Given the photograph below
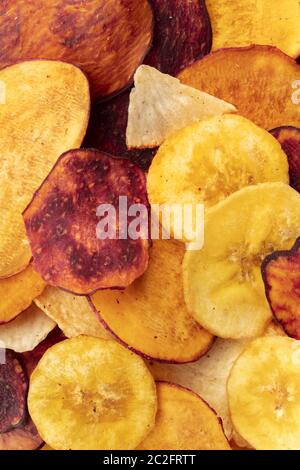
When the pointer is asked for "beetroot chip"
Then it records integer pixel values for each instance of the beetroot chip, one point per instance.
(281, 274)
(289, 138)
(80, 240)
(25, 437)
(182, 34)
(13, 392)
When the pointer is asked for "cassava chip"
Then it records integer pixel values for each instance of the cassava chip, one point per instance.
(150, 316)
(24, 437)
(241, 23)
(13, 391)
(281, 273)
(62, 223)
(28, 330)
(207, 377)
(160, 105)
(184, 421)
(263, 392)
(258, 80)
(92, 394)
(289, 138)
(30, 359)
(72, 313)
(223, 285)
(45, 112)
(182, 33)
(107, 39)
(18, 292)
(208, 161)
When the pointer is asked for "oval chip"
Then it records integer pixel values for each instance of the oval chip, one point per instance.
(79, 222)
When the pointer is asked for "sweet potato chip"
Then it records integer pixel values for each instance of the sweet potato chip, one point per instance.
(150, 316)
(62, 223)
(160, 105)
(92, 394)
(281, 274)
(72, 313)
(184, 421)
(13, 392)
(289, 138)
(18, 292)
(45, 112)
(258, 80)
(182, 33)
(107, 39)
(241, 23)
(28, 330)
(24, 437)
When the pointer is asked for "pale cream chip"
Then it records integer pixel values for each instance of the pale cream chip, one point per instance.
(160, 105)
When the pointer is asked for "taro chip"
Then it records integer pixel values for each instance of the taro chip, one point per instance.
(289, 138)
(70, 249)
(28, 330)
(281, 274)
(24, 437)
(182, 33)
(160, 105)
(13, 393)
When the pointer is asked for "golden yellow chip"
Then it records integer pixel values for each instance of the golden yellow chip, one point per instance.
(92, 394)
(44, 112)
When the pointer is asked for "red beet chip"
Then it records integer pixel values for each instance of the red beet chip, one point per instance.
(13, 391)
(64, 215)
(25, 437)
(289, 138)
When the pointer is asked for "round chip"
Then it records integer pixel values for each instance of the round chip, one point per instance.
(62, 223)
(13, 390)
(92, 394)
(264, 394)
(184, 421)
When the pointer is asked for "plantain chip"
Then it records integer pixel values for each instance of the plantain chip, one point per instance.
(289, 139)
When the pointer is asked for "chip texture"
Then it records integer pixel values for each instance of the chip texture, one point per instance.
(241, 23)
(72, 313)
(28, 330)
(258, 80)
(45, 113)
(92, 394)
(264, 383)
(208, 161)
(223, 284)
(184, 421)
(18, 292)
(13, 391)
(289, 139)
(150, 316)
(160, 105)
(24, 437)
(281, 274)
(107, 39)
(62, 223)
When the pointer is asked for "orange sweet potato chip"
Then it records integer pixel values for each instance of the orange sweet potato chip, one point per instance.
(107, 39)
(62, 221)
(289, 138)
(258, 80)
(281, 274)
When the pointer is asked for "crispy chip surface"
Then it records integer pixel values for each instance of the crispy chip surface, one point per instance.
(150, 316)
(184, 421)
(289, 139)
(45, 112)
(92, 394)
(107, 39)
(18, 292)
(62, 223)
(27, 331)
(258, 80)
(244, 22)
(24, 437)
(160, 105)
(72, 313)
